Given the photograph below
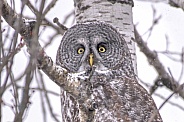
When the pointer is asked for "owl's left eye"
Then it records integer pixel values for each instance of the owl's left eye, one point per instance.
(80, 50)
(101, 49)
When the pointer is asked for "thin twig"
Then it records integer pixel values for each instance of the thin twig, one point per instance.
(42, 98)
(51, 4)
(72, 13)
(178, 89)
(47, 100)
(45, 21)
(155, 62)
(170, 102)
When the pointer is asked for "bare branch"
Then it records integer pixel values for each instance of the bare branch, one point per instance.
(47, 100)
(51, 4)
(27, 29)
(45, 21)
(56, 20)
(153, 60)
(72, 13)
(25, 97)
(170, 102)
(12, 18)
(44, 62)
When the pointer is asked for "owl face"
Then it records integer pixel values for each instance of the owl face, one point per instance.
(93, 44)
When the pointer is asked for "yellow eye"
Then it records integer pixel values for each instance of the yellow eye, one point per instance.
(80, 50)
(101, 49)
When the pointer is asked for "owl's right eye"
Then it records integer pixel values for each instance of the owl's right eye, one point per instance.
(80, 50)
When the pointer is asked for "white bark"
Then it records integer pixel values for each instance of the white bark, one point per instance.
(116, 13)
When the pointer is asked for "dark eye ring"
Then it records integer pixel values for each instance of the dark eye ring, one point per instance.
(80, 50)
(101, 49)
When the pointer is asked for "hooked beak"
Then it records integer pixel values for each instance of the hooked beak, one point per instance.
(91, 60)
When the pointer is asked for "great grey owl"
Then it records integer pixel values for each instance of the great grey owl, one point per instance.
(98, 62)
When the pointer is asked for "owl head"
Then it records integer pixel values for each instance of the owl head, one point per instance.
(92, 44)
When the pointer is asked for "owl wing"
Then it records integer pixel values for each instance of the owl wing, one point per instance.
(123, 99)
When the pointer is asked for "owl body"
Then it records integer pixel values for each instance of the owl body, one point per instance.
(99, 65)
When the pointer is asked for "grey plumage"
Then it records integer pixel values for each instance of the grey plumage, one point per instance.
(95, 54)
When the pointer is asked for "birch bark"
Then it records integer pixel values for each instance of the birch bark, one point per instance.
(118, 13)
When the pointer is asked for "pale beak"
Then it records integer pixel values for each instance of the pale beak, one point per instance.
(91, 60)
